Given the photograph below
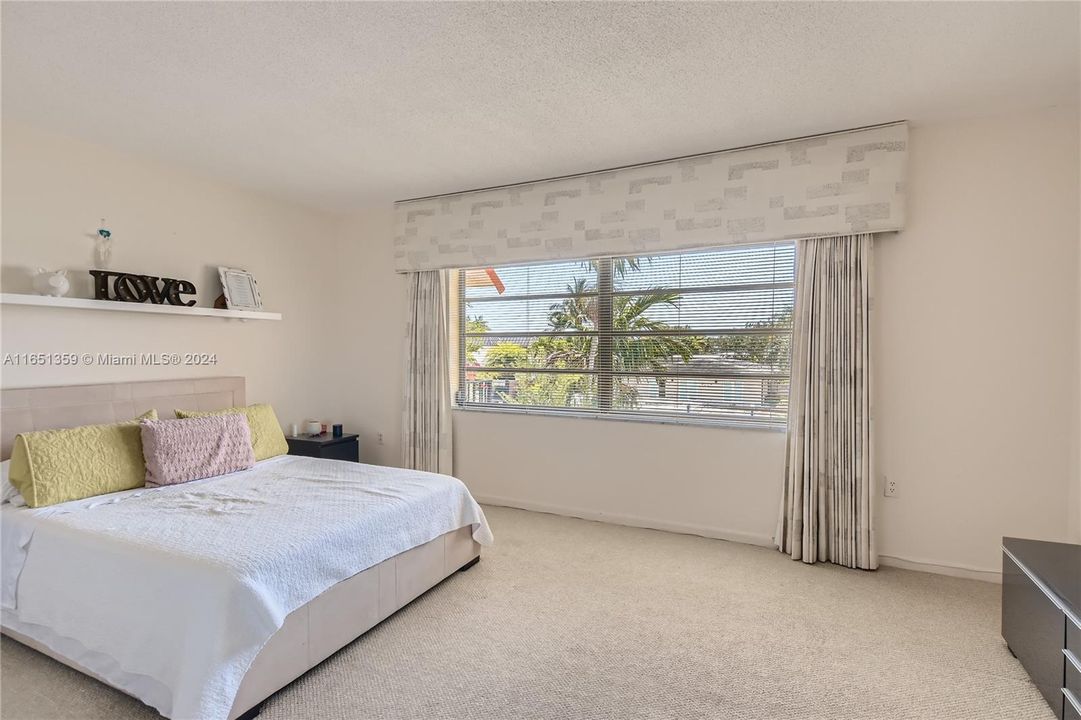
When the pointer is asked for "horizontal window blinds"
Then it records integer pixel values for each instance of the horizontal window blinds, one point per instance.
(851, 182)
(700, 335)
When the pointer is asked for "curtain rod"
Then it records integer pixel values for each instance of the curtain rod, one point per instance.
(649, 163)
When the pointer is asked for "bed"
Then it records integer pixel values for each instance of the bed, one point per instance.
(258, 575)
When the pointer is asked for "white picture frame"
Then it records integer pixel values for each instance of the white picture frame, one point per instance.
(240, 289)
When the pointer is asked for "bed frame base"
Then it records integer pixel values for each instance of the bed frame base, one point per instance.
(341, 614)
(254, 711)
(314, 632)
(469, 564)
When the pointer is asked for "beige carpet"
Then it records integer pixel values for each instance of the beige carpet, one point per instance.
(572, 619)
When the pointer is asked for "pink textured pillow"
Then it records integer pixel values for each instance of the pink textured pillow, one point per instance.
(179, 451)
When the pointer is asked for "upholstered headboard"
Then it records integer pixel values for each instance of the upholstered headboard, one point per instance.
(25, 409)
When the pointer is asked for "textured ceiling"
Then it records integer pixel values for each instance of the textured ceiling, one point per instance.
(343, 104)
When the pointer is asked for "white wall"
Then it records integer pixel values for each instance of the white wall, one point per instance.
(977, 341)
(166, 223)
(976, 332)
(373, 350)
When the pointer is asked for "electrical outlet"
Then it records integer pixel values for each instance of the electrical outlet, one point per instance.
(889, 487)
(379, 438)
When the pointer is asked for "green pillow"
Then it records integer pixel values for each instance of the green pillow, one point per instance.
(267, 438)
(55, 466)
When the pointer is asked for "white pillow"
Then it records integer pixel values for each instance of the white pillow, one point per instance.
(8, 493)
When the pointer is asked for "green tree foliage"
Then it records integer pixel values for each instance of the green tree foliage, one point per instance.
(767, 349)
(472, 344)
(652, 353)
(560, 390)
(507, 355)
(630, 353)
(504, 355)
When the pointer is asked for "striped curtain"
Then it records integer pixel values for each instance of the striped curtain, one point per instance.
(426, 423)
(827, 510)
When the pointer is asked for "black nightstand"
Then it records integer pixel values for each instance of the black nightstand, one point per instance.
(346, 447)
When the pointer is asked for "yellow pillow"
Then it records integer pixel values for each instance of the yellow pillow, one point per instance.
(267, 438)
(54, 466)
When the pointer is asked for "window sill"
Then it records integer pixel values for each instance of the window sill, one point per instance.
(615, 417)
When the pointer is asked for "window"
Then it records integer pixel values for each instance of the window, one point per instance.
(700, 335)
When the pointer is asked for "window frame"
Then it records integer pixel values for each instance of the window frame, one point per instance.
(604, 410)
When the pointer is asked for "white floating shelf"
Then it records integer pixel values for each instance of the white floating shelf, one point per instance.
(117, 306)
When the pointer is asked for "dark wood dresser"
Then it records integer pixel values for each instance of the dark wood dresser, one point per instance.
(1041, 617)
(344, 447)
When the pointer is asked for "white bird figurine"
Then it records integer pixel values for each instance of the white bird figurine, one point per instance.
(51, 282)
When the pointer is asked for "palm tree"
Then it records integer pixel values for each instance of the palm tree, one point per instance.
(640, 349)
(646, 351)
(631, 352)
(577, 313)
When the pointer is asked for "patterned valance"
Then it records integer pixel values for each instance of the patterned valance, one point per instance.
(839, 184)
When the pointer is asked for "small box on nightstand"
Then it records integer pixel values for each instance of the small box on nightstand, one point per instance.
(346, 447)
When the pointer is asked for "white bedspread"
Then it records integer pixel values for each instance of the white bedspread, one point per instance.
(185, 584)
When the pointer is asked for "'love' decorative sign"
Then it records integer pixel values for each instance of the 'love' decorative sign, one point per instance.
(129, 287)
